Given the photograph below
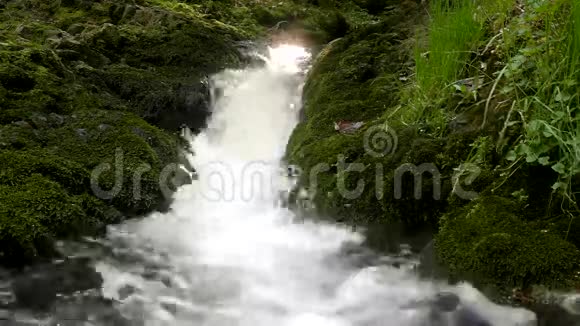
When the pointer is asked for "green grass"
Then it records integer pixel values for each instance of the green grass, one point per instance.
(547, 97)
(574, 41)
(445, 53)
(441, 54)
(453, 32)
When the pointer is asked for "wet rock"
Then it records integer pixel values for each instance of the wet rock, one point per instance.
(572, 304)
(181, 178)
(446, 301)
(468, 317)
(126, 291)
(357, 255)
(88, 310)
(182, 160)
(446, 309)
(70, 312)
(429, 265)
(552, 314)
(6, 298)
(5, 315)
(37, 287)
(21, 318)
(170, 307)
(35, 291)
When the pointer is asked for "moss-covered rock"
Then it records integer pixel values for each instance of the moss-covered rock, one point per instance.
(499, 220)
(92, 94)
(490, 241)
(356, 78)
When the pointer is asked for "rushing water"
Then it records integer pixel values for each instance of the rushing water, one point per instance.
(227, 254)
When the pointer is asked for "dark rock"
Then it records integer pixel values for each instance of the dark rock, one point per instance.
(169, 307)
(98, 310)
(468, 317)
(446, 309)
(429, 265)
(446, 301)
(357, 255)
(5, 315)
(166, 280)
(182, 159)
(181, 178)
(552, 314)
(35, 291)
(70, 312)
(126, 291)
(37, 287)
(6, 298)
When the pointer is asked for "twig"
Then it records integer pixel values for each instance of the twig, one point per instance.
(505, 126)
(491, 95)
(491, 41)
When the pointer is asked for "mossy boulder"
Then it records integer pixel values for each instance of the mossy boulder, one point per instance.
(356, 78)
(36, 211)
(490, 241)
(92, 95)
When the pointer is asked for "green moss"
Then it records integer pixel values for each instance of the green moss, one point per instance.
(489, 240)
(123, 143)
(18, 137)
(20, 165)
(356, 79)
(35, 211)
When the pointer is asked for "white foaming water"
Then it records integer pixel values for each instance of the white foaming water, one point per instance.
(226, 255)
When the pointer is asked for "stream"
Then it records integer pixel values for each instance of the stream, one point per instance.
(228, 253)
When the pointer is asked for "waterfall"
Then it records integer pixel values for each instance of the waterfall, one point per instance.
(226, 254)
